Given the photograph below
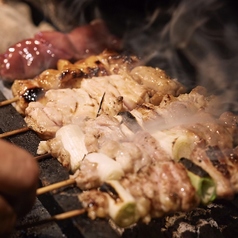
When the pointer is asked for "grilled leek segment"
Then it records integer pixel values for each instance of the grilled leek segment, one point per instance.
(177, 142)
(184, 145)
(72, 138)
(204, 185)
(122, 205)
(107, 168)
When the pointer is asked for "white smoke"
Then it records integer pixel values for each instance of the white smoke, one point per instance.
(197, 44)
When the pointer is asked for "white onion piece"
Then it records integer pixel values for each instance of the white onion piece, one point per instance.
(165, 140)
(43, 148)
(107, 168)
(177, 143)
(184, 145)
(124, 159)
(72, 138)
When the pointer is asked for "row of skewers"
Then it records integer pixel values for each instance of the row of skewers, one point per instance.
(150, 147)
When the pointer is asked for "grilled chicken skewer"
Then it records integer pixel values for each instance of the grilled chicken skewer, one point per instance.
(120, 195)
(70, 75)
(119, 93)
(125, 199)
(145, 198)
(46, 117)
(145, 194)
(117, 139)
(147, 84)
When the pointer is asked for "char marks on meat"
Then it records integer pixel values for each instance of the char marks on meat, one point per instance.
(70, 75)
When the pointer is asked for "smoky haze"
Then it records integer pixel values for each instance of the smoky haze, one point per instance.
(196, 43)
(193, 41)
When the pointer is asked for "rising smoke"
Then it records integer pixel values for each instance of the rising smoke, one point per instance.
(197, 45)
(193, 41)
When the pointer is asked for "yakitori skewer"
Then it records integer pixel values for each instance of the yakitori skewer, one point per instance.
(9, 101)
(62, 216)
(107, 168)
(14, 132)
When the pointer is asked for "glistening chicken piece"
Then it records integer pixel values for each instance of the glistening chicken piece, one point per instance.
(70, 75)
(28, 58)
(65, 106)
(110, 94)
(96, 95)
(173, 111)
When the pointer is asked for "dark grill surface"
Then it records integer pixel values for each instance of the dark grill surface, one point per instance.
(219, 219)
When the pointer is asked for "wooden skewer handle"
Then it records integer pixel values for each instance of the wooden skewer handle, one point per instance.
(14, 132)
(55, 186)
(44, 156)
(9, 101)
(62, 216)
(69, 214)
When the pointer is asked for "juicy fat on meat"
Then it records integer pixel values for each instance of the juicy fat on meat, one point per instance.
(158, 82)
(125, 87)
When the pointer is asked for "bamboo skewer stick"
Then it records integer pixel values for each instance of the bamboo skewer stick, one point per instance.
(39, 157)
(54, 186)
(14, 132)
(62, 216)
(9, 101)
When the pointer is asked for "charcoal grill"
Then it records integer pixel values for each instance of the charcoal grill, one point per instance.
(219, 219)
